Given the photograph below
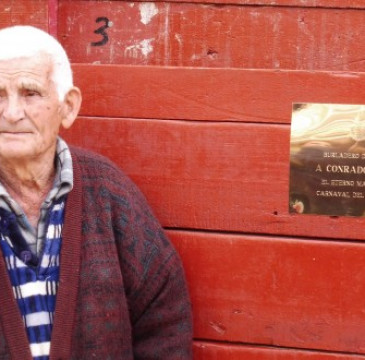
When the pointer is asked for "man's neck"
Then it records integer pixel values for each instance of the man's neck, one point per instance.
(28, 183)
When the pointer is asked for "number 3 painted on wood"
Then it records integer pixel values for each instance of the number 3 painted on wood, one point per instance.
(101, 31)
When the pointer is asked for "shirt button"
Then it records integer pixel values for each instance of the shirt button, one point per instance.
(26, 256)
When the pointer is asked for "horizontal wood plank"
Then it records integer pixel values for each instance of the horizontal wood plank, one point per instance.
(331, 4)
(24, 12)
(272, 291)
(340, 4)
(209, 94)
(215, 351)
(213, 176)
(200, 35)
(348, 4)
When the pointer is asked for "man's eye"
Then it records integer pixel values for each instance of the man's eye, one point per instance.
(31, 93)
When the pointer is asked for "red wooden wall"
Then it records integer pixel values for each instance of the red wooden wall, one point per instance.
(193, 100)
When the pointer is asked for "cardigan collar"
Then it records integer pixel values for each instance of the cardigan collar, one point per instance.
(65, 313)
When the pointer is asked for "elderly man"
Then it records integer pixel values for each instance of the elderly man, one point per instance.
(85, 269)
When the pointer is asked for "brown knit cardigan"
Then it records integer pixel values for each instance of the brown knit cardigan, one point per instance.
(122, 292)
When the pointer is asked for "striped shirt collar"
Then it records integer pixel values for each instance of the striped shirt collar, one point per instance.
(62, 185)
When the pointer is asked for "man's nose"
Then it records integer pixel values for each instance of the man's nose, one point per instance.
(13, 109)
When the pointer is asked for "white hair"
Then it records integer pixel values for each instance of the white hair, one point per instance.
(28, 41)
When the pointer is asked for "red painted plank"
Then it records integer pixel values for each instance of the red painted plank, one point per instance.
(214, 351)
(209, 94)
(200, 35)
(53, 17)
(216, 176)
(284, 292)
(24, 12)
(348, 4)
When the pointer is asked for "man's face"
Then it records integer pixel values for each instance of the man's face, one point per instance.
(30, 110)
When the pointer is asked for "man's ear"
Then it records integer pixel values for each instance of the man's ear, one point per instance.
(70, 107)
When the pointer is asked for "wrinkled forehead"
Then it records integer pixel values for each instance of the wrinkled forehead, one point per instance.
(38, 68)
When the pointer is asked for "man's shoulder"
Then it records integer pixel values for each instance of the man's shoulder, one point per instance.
(97, 170)
(90, 161)
(88, 156)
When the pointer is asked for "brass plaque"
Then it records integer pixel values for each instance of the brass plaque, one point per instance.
(327, 159)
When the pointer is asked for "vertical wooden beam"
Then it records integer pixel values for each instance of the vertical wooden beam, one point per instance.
(52, 17)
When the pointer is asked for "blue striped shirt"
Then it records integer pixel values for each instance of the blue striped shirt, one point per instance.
(34, 281)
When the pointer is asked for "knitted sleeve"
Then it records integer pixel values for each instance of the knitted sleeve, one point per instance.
(154, 281)
(155, 285)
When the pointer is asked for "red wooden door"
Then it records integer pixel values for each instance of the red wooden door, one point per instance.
(193, 100)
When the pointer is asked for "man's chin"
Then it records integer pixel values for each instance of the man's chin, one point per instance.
(15, 152)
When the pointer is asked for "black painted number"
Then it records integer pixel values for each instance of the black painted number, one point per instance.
(102, 32)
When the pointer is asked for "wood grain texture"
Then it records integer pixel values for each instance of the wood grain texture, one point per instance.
(213, 176)
(334, 4)
(262, 96)
(53, 18)
(24, 12)
(201, 35)
(219, 351)
(276, 291)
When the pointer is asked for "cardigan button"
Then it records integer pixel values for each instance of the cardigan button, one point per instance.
(26, 255)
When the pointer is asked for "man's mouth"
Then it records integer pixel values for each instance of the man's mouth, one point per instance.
(15, 133)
